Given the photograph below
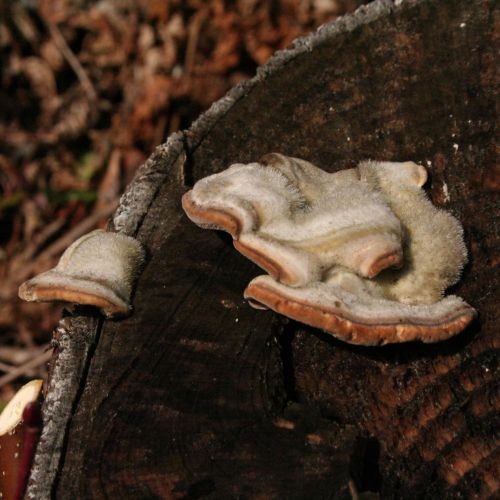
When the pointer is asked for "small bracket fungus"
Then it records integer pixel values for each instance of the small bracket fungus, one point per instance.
(98, 269)
(11, 415)
(361, 253)
(20, 427)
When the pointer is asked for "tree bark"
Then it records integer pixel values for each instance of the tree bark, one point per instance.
(196, 394)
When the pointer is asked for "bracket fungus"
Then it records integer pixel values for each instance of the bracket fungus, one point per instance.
(361, 253)
(98, 269)
(11, 415)
(20, 427)
(296, 221)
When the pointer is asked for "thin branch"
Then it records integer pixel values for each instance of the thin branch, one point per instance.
(4, 367)
(72, 60)
(14, 356)
(80, 229)
(35, 362)
(39, 239)
(193, 38)
(69, 237)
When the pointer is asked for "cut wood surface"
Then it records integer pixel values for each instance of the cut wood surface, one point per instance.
(197, 395)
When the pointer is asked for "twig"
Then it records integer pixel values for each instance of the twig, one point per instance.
(193, 38)
(14, 356)
(175, 123)
(353, 490)
(25, 335)
(62, 243)
(6, 368)
(20, 261)
(35, 362)
(73, 61)
(40, 238)
(83, 227)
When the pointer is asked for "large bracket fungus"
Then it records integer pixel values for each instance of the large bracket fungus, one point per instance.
(98, 269)
(361, 253)
(296, 221)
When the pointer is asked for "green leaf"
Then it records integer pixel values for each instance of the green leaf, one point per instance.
(63, 197)
(12, 201)
(86, 166)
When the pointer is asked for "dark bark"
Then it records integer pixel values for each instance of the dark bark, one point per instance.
(198, 395)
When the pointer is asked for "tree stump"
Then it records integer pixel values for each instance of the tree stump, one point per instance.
(196, 394)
